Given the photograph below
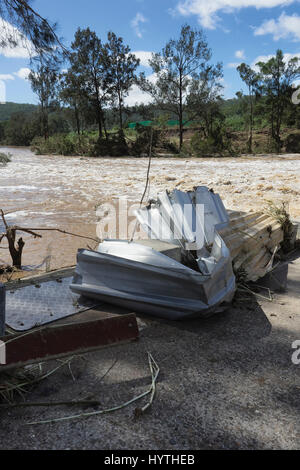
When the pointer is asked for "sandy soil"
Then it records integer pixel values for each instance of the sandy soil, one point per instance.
(64, 192)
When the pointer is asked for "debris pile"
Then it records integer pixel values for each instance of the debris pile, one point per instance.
(253, 240)
(138, 277)
(195, 275)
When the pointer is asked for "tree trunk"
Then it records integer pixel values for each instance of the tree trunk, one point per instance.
(180, 113)
(272, 127)
(180, 117)
(104, 126)
(45, 129)
(99, 119)
(120, 111)
(180, 133)
(121, 117)
(15, 251)
(77, 120)
(278, 115)
(250, 140)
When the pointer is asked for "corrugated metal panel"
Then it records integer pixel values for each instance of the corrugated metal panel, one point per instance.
(142, 279)
(192, 216)
(252, 240)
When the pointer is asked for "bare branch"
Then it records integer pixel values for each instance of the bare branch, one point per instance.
(25, 230)
(3, 218)
(31, 230)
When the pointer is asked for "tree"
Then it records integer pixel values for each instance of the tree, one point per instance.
(70, 93)
(44, 79)
(21, 129)
(181, 62)
(121, 70)
(89, 62)
(3, 126)
(21, 23)
(276, 78)
(204, 98)
(250, 77)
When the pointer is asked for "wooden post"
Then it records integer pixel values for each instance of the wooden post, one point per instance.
(2, 310)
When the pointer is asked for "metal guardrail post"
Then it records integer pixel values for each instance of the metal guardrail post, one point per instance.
(2, 310)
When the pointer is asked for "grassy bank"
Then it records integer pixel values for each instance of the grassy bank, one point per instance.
(137, 143)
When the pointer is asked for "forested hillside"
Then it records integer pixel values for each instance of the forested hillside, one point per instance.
(8, 109)
(82, 102)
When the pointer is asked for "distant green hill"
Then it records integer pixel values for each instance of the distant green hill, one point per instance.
(7, 109)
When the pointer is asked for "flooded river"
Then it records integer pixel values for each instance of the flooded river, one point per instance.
(63, 192)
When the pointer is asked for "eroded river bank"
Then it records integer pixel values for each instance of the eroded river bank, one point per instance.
(63, 192)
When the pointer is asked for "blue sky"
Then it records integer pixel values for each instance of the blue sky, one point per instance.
(236, 30)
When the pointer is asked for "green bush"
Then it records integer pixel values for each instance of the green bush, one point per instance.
(236, 123)
(4, 159)
(186, 150)
(113, 146)
(217, 144)
(56, 145)
(170, 147)
(145, 135)
(20, 129)
(292, 143)
(64, 144)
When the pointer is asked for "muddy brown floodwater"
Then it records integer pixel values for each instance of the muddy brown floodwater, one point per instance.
(62, 192)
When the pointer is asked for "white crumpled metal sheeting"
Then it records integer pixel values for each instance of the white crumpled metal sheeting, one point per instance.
(182, 212)
(139, 278)
(169, 290)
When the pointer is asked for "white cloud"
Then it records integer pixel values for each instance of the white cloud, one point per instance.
(286, 26)
(240, 54)
(226, 88)
(265, 58)
(23, 73)
(233, 65)
(6, 76)
(144, 57)
(24, 48)
(261, 58)
(206, 10)
(136, 24)
(137, 96)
